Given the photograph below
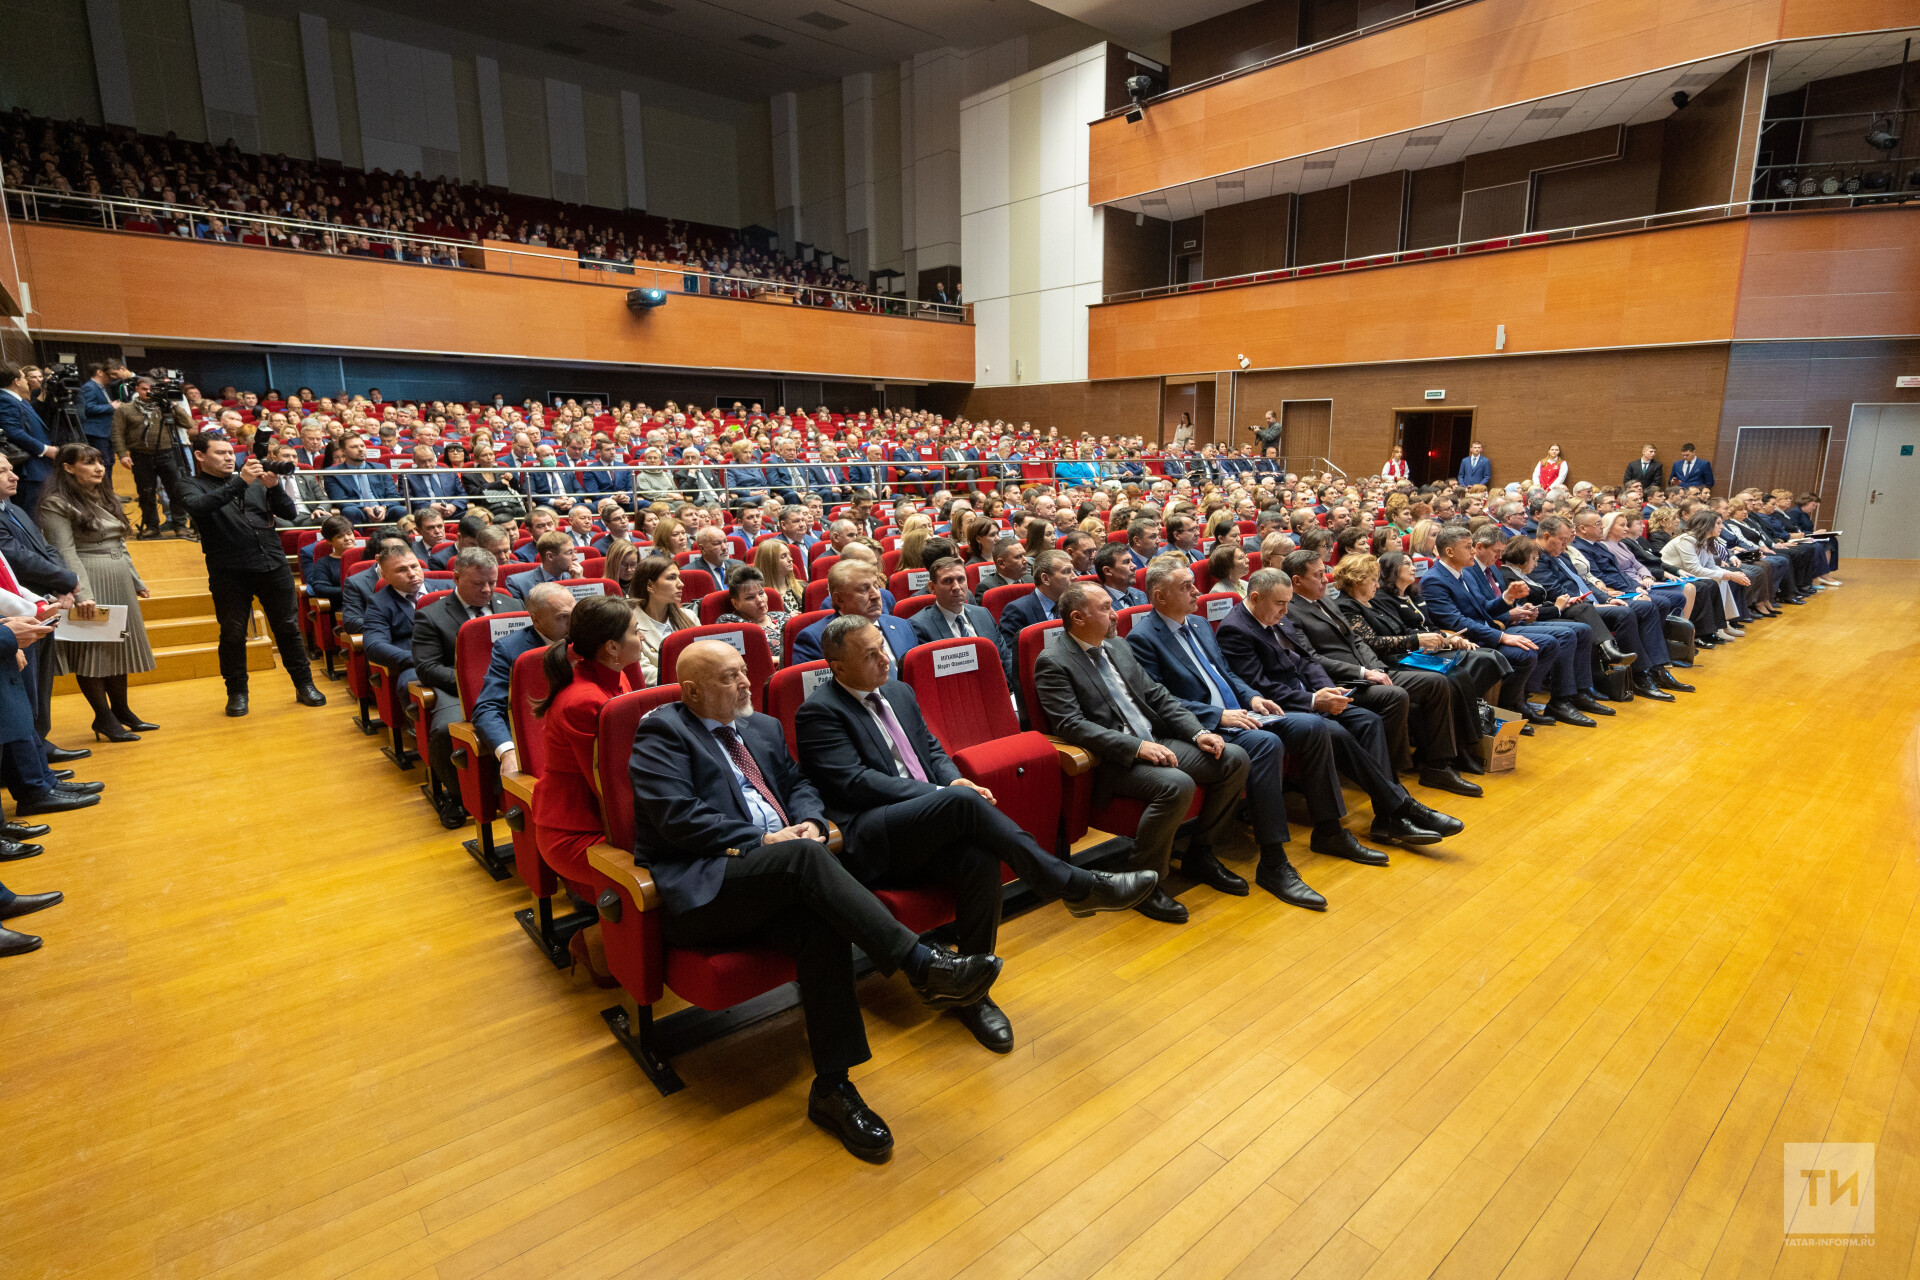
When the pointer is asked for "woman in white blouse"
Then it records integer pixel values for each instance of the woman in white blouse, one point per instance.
(1396, 468)
(656, 585)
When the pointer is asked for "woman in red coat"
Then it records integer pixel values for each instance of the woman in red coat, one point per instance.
(583, 673)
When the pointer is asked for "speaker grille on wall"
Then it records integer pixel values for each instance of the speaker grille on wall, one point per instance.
(1494, 211)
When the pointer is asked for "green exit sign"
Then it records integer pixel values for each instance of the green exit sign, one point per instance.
(1906, 451)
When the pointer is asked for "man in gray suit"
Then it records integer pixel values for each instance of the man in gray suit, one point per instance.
(1149, 746)
(713, 556)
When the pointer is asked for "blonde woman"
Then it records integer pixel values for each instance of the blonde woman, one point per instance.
(785, 589)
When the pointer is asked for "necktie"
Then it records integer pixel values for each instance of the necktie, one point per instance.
(908, 756)
(1222, 692)
(749, 768)
(1136, 720)
(1493, 579)
(961, 627)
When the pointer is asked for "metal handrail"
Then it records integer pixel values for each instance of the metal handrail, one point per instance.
(109, 212)
(1522, 240)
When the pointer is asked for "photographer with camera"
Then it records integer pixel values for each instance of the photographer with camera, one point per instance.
(96, 414)
(23, 437)
(235, 513)
(143, 439)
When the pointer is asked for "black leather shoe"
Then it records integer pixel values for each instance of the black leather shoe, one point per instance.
(81, 788)
(453, 815)
(1663, 679)
(1158, 906)
(1643, 685)
(14, 944)
(1536, 716)
(236, 704)
(1526, 731)
(60, 775)
(12, 852)
(1276, 875)
(843, 1113)
(25, 904)
(55, 802)
(1115, 891)
(310, 696)
(1615, 655)
(23, 830)
(60, 755)
(1434, 820)
(1592, 705)
(1563, 710)
(1402, 829)
(1468, 762)
(1201, 867)
(1705, 642)
(1442, 778)
(953, 980)
(988, 1024)
(1347, 845)
(134, 723)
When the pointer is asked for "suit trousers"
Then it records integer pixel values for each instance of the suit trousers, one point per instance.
(1391, 705)
(1168, 791)
(796, 897)
(1563, 665)
(952, 837)
(1266, 754)
(23, 770)
(1636, 624)
(1473, 675)
(439, 744)
(234, 591)
(1359, 742)
(38, 674)
(150, 472)
(1429, 716)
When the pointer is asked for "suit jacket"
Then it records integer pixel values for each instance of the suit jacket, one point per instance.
(1125, 599)
(1605, 567)
(847, 756)
(429, 487)
(379, 480)
(435, 630)
(35, 563)
(20, 424)
(1642, 472)
(725, 571)
(1081, 709)
(899, 633)
(1476, 470)
(687, 810)
(1460, 604)
(1166, 659)
(931, 625)
(1021, 614)
(386, 629)
(490, 708)
(990, 578)
(1699, 472)
(1281, 669)
(16, 703)
(1331, 640)
(521, 583)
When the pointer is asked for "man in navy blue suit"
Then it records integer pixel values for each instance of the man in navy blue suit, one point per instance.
(854, 586)
(96, 416)
(1638, 621)
(953, 615)
(23, 429)
(1052, 575)
(604, 478)
(386, 627)
(1691, 470)
(827, 477)
(1113, 565)
(1476, 467)
(550, 608)
(558, 560)
(734, 836)
(363, 499)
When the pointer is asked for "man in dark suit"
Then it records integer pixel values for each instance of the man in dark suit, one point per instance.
(953, 615)
(1542, 659)
(1148, 746)
(734, 836)
(1113, 565)
(714, 554)
(1644, 470)
(1475, 468)
(1416, 705)
(854, 586)
(363, 499)
(22, 428)
(550, 607)
(558, 560)
(436, 630)
(23, 763)
(386, 628)
(1691, 471)
(1563, 568)
(1010, 566)
(1052, 574)
(910, 818)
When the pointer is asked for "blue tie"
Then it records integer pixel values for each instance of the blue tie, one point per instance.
(1200, 655)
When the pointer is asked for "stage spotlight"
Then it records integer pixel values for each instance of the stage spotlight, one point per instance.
(1137, 89)
(1881, 136)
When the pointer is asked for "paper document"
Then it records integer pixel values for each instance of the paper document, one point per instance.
(109, 625)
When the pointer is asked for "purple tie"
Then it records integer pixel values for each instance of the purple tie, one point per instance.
(908, 756)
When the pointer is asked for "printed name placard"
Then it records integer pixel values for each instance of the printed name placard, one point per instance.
(811, 680)
(501, 627)
(1218, 609)
(734, 638)
(581, 590)
(951, 662)
(917, 580)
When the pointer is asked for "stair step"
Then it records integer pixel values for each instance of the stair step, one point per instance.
(190, 604)
(174, 632)
(186, 662)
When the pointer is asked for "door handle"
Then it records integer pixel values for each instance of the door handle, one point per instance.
(1873, 497)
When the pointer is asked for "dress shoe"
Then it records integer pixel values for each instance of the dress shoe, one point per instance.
(841, 1111)
(60, 775)
(14, 944)
(1526, 731)
(1535, 715)
(1158, 906)
(113, 731)
(146, 534)
(25, 904)
(81, 788)
(55, 801)
(1442, 778)
(1346, 845)
(1114, 891)
(236, 704)
(23, 830)
(1401, 828)
(1592, 705)
(1276, 875)
(1468, 762)
(1201, 867)
(1615, 655)
(988, 1024)
(60, 755)
(1434, 820)
(1705, 642)
(1663, 678)
(453, 814)
(953, 980)
(309, 695)
(1563, 710)
(11, 851)
(1643, 685)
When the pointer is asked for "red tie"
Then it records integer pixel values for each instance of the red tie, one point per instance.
(1493, 580)
(749, 767)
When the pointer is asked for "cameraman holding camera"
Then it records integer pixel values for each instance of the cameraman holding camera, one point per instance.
(235, 511)
(143, 439)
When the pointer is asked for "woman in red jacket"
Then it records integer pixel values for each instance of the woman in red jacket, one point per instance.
(583, 673)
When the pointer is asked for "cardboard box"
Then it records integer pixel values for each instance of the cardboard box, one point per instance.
(1500, 751)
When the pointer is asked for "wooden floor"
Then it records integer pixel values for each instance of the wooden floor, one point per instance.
(283, 1027)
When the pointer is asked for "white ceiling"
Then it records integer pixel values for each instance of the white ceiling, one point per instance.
(1637, 100)
(1143, 25)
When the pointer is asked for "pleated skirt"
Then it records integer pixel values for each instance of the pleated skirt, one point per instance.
(113, 583)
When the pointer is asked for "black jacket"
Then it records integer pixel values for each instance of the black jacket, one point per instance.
(36, 564)
(1330, 639)
(235, 520)
(847, 756)
(436, 629)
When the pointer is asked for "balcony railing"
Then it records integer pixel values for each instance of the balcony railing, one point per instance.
(263, 231)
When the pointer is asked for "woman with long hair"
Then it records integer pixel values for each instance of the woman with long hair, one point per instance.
(1550, 470)
(913, 544)
(656, 585)
(584, 672)
(669, 537)
(623, 561)
(82, 519)
(785, 590)
(982, 533)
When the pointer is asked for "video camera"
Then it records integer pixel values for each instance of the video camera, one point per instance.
(62, 385)
(168, 384)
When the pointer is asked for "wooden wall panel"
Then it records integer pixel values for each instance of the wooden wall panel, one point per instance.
(1129, 407)
(1232, 40)
(126, 285)
(1322, 236)
(1769, 458)
(1613, 189)
(1454, 63)
(1671, 286)
(1136, 256)
(1826, 17)
(1698, 149)
(1246, 237)
(1851, 274)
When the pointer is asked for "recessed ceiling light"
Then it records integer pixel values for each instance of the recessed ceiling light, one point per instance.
(823, 21)
(759, 41)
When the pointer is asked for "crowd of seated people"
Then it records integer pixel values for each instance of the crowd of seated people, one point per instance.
(1198, 631)
(221, 193)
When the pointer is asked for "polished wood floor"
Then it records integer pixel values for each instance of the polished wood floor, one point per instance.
(284, 1027)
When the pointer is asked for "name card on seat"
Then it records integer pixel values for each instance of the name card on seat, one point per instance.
(734, 638)
(497, 628)
(581, 590)
(1218, 609)
(917, 580)
(811, 680)
(951, 662)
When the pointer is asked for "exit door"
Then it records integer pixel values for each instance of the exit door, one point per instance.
(1880, 486)
(1433, 441)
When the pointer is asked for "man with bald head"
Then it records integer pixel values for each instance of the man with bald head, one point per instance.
(735, 838)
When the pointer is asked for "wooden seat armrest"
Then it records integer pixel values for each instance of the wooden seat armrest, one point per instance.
(618, 866)
(423, 697)
(1074, 761)
(356, 642)
(465, 734)
(520, 786)
(321, 604)
(834, 838)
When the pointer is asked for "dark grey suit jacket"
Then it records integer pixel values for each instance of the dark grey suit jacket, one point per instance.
(1080, 708)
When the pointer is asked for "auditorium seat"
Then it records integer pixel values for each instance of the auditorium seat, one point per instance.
(748, 638)
(476, 767)
(998, 598)
(712, 605)
(1215, 606)
(908, 582)
(1124, 619)
(525, 686)
(910, 605)
(794, 625)
(817, 570)
(694, 583)
(816, 595)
